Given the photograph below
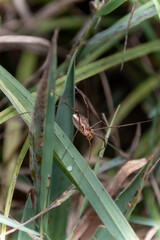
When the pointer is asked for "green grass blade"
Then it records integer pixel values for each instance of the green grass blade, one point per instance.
(36, 133)
(92, 52)
(14, 224)
(11, 88)
(63, 22)
(64, 113)
(59, 181)
(157, 5)
(109, 7)
(142, 13)
(101, 234)
(48, 140)
(132, 192)
(115, 162)
(27, 214)
(13, 180)
(144, 221)
(41, 136)
(7, 114)
(111, 61)
(113, 32)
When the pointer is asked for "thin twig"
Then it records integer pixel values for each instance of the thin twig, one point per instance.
(126, 37)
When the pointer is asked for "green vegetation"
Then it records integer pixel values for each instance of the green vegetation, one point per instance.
(57, 182)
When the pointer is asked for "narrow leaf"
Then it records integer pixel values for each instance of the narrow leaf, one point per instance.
(64, 113)
(59, 181)
(14, 224)
(48, 140)
(109, 7)
(27, 214)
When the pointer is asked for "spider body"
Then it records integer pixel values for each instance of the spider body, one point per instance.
(82, 124)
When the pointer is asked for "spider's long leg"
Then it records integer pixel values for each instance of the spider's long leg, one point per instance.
(85, 99)
(96, 123)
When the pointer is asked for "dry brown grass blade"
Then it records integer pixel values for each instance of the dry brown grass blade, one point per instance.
(151, 159)
(89, 221)
(37, 44)
(124, 172)
(151, 232)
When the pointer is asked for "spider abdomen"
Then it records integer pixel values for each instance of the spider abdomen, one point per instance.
(82, 124)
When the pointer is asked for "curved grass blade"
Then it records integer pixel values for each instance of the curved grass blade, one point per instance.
(109, 7)
(113, 32)
(7, 114)
(22, 101)
(142, 13)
